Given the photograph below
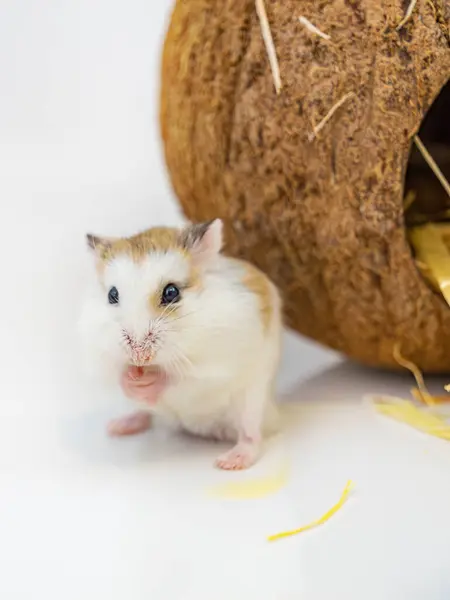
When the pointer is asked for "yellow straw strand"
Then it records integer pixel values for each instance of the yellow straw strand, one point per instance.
(269, 44)
(426, 397)
(441, 399)
(348, 488)
(430, 244)
(254, 488)
(418, 418)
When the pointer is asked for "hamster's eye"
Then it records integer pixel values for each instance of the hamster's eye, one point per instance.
(113, 296)
(170, 294)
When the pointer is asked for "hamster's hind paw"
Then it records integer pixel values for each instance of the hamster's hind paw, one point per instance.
(242, 456)
(130, 425)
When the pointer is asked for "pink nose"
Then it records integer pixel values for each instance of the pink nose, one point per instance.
(142, 355)
(139, 350)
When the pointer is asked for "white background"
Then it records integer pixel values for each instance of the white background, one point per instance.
(83, 516)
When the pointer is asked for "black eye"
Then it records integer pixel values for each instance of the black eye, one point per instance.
(170, 294)
(113, 296)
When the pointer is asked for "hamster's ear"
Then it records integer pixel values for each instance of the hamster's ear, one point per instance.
(204, 240)
(98, 245)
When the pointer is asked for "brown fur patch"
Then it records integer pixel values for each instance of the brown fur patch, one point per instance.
(157, 239)
(194, 281)
(255, 281)
(138, 247)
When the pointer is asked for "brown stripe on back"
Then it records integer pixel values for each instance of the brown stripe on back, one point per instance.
(255, 281)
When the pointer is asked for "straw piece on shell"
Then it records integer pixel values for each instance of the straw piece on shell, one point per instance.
(436, 399)
(304, 21)
(408, 14)
(433, 8)
(432, 164)
(409, 199)
(268, 42)
(328, 116)
(414, 369)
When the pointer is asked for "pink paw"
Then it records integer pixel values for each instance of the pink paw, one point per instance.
(242, 456)
(129, 425)
(142, 385)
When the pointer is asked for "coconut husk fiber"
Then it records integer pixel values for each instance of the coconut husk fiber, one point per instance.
(323, 217)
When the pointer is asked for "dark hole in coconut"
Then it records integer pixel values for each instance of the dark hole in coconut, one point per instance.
(425, 198)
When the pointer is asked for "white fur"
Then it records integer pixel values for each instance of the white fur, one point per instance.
(220, 358)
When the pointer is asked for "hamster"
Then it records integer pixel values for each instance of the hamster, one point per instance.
(192, 336)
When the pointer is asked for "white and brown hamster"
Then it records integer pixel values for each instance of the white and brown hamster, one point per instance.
(192, 335)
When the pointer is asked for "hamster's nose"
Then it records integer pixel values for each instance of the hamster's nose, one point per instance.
(140, 351)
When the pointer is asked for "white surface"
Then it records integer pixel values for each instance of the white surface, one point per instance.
(83, 516)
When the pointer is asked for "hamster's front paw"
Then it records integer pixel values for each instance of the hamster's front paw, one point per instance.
(141, 385)
(242, 456)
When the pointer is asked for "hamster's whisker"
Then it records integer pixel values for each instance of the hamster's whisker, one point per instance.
(177, 368)
(184, 357)
(174, 366)
(172, 305)
(161, 318)
(184, 316)
(180, 362)
(213, 327)
(184, 360)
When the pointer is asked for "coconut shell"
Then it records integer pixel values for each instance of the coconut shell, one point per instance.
(323, 218)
